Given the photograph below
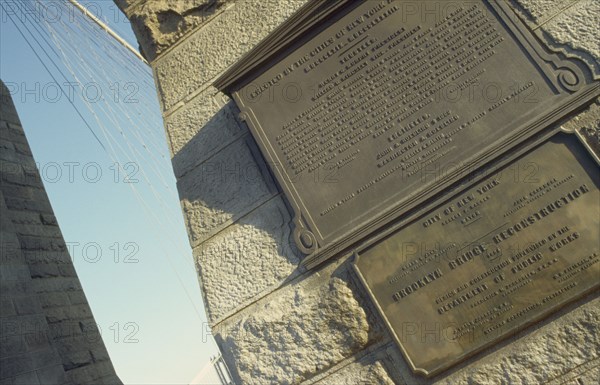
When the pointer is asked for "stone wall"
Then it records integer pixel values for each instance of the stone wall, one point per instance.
(47, 330)
(276, 323)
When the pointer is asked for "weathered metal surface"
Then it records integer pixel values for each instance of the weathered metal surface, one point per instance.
(493, 258)
(385, 103)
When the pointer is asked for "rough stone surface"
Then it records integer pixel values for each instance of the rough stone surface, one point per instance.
(547, 353)
(222, 189)
(571, 25)
(216, 46)
(577, 28)
(304, 329)
(204, 126)
(246, 259)
(537, 11)
(359, 373)
(158, 24)
(586, 374)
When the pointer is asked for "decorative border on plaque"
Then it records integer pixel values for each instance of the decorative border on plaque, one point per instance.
(568, 76)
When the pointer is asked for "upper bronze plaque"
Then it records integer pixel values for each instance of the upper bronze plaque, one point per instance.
(363, 110)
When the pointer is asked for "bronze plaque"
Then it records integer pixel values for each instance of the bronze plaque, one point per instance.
(493, 258)
(356, 113)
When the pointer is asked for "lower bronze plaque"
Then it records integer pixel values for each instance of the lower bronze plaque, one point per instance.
(498, 256)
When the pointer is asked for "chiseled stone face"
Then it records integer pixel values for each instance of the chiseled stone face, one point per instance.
(246, 259)
(303, 330)
(221, 189)
(202, 128)
(539, 10)
(161, 23)
(572, 25)
(577, 28)
(542, 356)
(359, 373)
(212, 49)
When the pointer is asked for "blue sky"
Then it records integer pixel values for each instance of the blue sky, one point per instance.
(135, 264)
